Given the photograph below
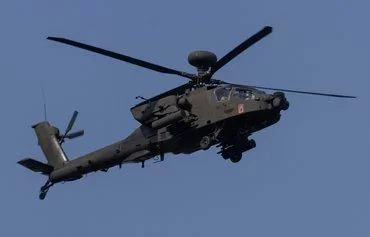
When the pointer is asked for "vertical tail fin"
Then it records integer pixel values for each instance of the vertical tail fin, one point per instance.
(48, 140)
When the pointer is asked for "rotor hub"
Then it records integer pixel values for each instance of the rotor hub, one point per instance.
(202, 60)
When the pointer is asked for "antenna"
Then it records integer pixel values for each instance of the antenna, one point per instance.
(44, 102)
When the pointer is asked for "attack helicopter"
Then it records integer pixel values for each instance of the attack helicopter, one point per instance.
(197, 115)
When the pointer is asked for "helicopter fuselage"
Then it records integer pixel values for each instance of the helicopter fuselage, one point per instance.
(223, 115)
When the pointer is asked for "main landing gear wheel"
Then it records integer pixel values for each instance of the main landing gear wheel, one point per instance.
(205, 142)
(236, 157)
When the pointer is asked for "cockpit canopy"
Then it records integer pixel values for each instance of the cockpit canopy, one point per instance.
(225, 93)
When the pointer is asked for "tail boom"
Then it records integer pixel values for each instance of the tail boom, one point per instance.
(135, 148)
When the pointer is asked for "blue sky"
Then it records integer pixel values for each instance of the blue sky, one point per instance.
(308, 175)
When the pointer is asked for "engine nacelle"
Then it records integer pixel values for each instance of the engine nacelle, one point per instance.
(183, 103)
(168, 119)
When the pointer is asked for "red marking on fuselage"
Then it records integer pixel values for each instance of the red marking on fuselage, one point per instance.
(240, 108)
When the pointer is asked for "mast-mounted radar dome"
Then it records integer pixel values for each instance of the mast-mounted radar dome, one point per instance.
(202, 60)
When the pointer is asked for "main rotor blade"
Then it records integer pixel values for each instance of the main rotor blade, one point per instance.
(305, 92)
(215, 81)
(175, 91)
(240, 48)
(124, 58)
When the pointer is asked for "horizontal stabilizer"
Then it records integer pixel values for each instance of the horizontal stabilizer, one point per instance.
(36, 166)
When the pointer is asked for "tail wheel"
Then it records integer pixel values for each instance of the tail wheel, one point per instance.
(42, 195)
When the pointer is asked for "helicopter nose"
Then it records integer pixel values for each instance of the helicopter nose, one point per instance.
(279, 101)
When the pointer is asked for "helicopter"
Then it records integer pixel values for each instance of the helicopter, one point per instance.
(197, 115)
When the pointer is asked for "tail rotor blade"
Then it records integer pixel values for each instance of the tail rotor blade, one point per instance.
(75, 134)
(69, 128)
(71, 122)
